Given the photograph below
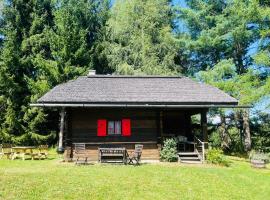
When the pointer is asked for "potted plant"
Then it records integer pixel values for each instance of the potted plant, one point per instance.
(258, 159)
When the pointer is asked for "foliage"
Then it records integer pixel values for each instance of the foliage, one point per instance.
(260, 128)
(247, 88)
(219, 30)
(169, 150)
(262, 57)
(216, 156)
(45, 43)
(218, 42)
(140, 38)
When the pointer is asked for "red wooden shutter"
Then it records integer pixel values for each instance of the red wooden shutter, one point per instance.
(101, 127)
(126, 129)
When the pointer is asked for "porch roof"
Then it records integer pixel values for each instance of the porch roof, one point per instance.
(112, 90)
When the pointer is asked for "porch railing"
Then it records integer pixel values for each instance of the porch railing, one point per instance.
(200, 147)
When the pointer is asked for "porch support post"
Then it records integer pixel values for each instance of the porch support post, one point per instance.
(204, 125)
(61, 132)
(161, 123)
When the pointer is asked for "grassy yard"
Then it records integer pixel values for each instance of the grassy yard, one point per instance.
(50, 179)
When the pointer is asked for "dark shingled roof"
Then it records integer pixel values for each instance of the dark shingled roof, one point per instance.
(111, 89)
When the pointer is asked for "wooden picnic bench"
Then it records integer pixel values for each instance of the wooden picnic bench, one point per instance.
(40, 152)
(6, 150)
(22, 151)
(112, 155)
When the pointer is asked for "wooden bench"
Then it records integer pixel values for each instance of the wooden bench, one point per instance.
(112, 155)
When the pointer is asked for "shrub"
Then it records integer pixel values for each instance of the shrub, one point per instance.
(215, 156)
(169, 150)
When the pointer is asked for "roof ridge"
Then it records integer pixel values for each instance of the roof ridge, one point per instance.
(131, 76)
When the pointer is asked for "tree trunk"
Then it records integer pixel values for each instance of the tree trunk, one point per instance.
(246, 129)
(224, 135)
(239, 125)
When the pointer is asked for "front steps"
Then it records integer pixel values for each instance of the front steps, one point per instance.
(189, 157)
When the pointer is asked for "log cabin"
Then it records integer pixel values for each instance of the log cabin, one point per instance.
(121, 110)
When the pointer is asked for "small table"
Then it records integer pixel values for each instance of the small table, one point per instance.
(112, 155)
(21, 151)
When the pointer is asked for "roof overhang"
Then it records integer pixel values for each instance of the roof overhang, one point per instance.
(91, 105)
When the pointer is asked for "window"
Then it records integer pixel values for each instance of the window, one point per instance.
(117, 127)
(114, 127)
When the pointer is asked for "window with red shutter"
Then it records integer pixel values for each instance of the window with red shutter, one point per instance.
(114, 128)
(101, 127)
(126, 127)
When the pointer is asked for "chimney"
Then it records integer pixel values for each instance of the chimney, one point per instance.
(91, 72)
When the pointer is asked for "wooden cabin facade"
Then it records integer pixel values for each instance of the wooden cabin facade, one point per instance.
(126, 127)
(121, 111)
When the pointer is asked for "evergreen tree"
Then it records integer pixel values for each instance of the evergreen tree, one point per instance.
(262, 58)
(140, 38)
(45, 43)
(22, 29)
(219, 30)
(247, 87)
(220, 35)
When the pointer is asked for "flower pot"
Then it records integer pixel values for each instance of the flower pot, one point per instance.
(258, 163)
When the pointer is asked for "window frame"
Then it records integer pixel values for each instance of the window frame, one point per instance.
(115, 121)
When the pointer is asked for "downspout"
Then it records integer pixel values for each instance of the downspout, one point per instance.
(60, 148)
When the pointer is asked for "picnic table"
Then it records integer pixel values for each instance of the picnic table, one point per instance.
(116, 155)
(21, 151)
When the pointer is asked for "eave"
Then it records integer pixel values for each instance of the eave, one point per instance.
(117, 105)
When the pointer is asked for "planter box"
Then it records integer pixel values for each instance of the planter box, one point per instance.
(258, 163)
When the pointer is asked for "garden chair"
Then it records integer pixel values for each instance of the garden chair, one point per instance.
(135, 157)
(80, 152)
(43, 151)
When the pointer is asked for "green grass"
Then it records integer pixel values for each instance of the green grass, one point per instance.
(50, 179)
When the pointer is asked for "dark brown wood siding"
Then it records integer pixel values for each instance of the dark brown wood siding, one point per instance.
(147, 127)
(84, 125)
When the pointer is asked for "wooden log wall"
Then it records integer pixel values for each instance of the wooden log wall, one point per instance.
(84, 125)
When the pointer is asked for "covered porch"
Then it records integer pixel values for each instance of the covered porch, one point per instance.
(148, 126)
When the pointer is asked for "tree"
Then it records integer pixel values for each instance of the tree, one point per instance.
(140, 39)
(219, 30)
(260, 126)
(247, 88)
(45, 43)
(262, 58)
(222, 34)
(16, 26)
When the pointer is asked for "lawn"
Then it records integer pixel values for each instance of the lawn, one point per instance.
(50, 179)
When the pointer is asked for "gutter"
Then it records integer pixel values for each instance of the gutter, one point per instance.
(87, 105)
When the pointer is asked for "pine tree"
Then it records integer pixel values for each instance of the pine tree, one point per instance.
(219, 30)
(22, 28)
(45, 43)
(140, 38)
(247, 87)
(262, 58)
